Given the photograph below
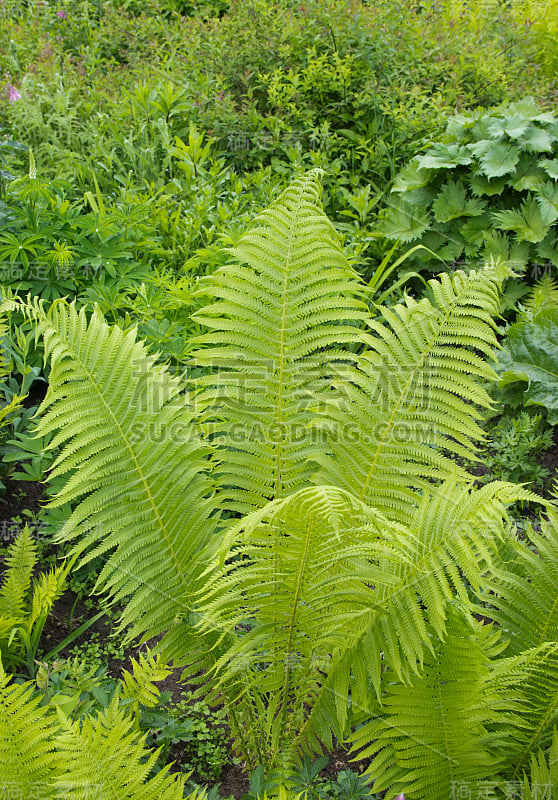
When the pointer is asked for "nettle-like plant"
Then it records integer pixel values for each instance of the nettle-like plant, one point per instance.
(489, 189)
(293, 524)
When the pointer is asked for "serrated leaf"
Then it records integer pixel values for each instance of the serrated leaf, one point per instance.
(527, 176)
(405, 222)
(481, 185)
(444, 156)
(513, 126)
(530, 354)
(547, 250)
(537, 140)
(479, 147)
(452, 203)
(411, 177)
(499, 159)
(474, 231)
(547, 199)
(550, 166)
(527, 107)
(527, 223)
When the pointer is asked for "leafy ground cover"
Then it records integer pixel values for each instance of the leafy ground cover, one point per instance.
(138, 142)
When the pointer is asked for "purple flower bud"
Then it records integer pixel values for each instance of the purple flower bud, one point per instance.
(12, 93)
(62, 14)
(400, 797)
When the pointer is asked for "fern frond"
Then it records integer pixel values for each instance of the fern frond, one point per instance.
(542, 783)
(445, 549)
(412, 400)
(283, 309)
(19, 564)
(139, 685)
(293, 578)
(49, 757)
(105, 756)
(332, 587)
(521, 595)
(441, 730)
(28, 761)
(135, 473)
(522, 599)
(543, 296)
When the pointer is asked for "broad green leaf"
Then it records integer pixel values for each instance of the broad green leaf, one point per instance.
(444, 156)
(513, 126)
(537, 140)
(452, 203)
(405, 222)
(550, 166)
(474, 232)
(499, 159)
(530, 354)
(528, 107)
(411, 177)
(547, 250)
(527, 177)
(481, 185)
(528, 222)
(547, 199)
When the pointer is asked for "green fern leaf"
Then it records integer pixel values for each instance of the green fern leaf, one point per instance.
(138, 685)
(543, 296)
(28, 761)
(443, 552)
(434, 732)
(542, 783)
(20, 562)
(522, 599)
(283, 310)
(413, 394)
(105, 756)
(134, 470)
(293, 578)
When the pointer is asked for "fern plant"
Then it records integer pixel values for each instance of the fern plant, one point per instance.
(26, 602)
(358, 527)
(486, 702)
(46, 754)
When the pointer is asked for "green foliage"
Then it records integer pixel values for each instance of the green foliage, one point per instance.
(501, 679)
(50, 754)
(198, 730)
(539, 17)
(514, 448)
(542, 782)
(281, 614)
(487, 190)
(446, 726)
(25, 602)
(347, 784)
(278, 323)
(530, 355)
